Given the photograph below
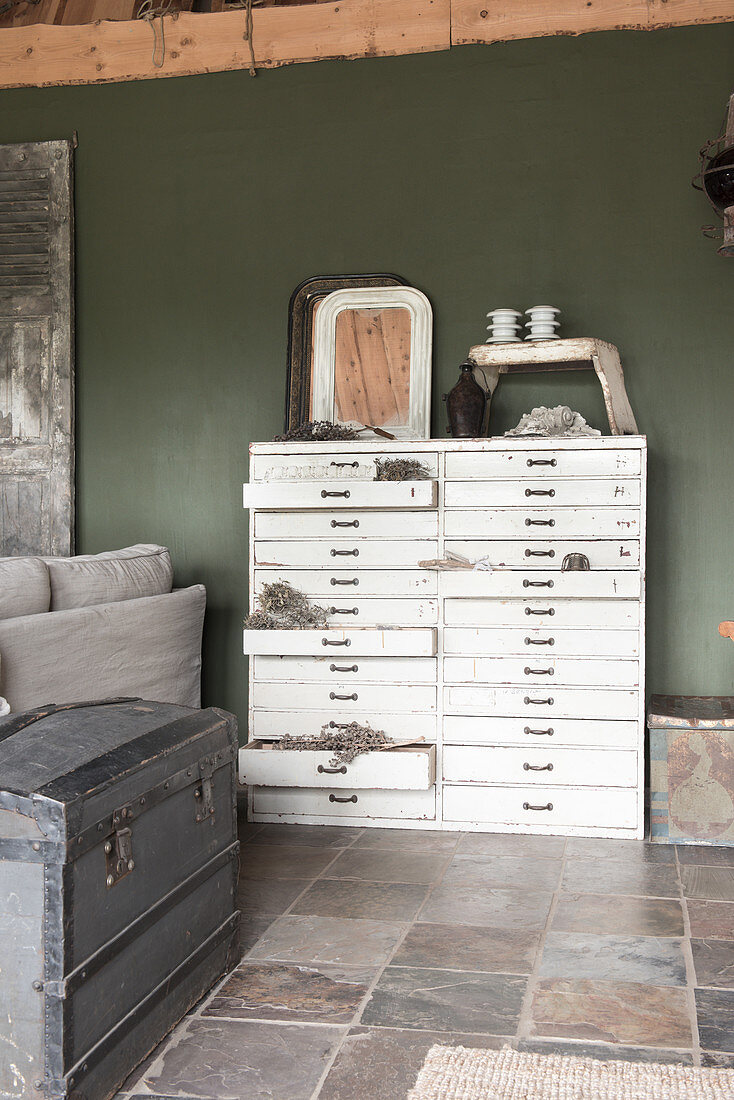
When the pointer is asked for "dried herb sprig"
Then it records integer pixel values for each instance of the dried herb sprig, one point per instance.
(401, 469)
(283, 607)
(346, 743)
(316, 431)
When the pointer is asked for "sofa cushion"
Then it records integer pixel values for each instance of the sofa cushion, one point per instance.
(149, 648)
(91, 579)
(24, 587)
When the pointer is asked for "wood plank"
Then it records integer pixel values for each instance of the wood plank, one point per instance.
(102, 52)
(483, 21)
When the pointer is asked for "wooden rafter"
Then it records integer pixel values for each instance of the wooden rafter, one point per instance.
(284, 34)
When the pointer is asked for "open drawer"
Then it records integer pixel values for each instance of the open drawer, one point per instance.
(412, 768)
(276, 495)
(398, 642)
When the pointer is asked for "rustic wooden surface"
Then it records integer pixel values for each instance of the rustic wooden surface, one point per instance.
(36, 349)
(372, 376)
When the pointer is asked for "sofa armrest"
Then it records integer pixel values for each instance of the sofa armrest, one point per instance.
(149, 647)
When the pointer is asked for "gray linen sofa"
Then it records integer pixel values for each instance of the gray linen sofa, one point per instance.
(97, 626)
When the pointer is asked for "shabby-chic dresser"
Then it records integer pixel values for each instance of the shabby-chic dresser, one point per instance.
(525, 680)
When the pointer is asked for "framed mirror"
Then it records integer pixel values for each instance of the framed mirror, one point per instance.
(305, 302)
(372, 360)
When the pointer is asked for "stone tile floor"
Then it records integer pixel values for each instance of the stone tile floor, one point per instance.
(364, 947)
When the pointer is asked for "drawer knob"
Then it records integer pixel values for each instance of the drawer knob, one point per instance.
(332, 771)
(538, 671)
(335, 798)
(539, 733)
(540, 523)
(540, 553)
(354, 697)
(540, 641)
(539, 611)
(345, 642)
(530, 768)
(528, 806)
(539, 702)
(341, 465)
(325, 493)
(343, 668)
(540, 492)
(345, 523)
(344, 611)
(344, 553)
(337, 580)
(537, 584)
(542, 462)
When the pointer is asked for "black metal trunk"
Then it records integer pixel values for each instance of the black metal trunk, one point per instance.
(118, 879)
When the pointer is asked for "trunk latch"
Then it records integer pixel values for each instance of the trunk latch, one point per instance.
(204, 792)
(118, 848)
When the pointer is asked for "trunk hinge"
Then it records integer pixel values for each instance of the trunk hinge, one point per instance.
(118, 848)
(204, 792)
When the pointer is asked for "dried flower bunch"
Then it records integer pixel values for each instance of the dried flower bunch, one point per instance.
(283, 607)
(401, 469)
(346, 742)
(316, 431)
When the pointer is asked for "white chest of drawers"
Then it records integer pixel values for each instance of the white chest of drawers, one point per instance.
(527, 682)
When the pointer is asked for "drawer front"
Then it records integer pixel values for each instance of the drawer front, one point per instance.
(342, 553)
(347, 608)
(310, 467)
(571, 492)
(403, 642)
(542, 614)
(550, 463)
(542, 670)
(372, 805)
(509, 583)
(555, 731)
(546, 766)
(540, 705)
(346, 524)
(343, 697)
(588, 807)
(341, 583)
(535, 644)
(402, 726)
(389, 670)
(411, 768)
(275, 495)
(602, 553)
(537, 523)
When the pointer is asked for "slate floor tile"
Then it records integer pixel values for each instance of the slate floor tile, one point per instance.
(712, 883)
(229, 1059)
(251, 929)
(279, 861)
(713, 961)
(489, 907)
(383, 1063)
(611, 877)
(308, 939)
(607, 914)
(627, 1013)
(268, 896)
(393, 901)
(711, 919)
(461, 947)
(446, 1000)
(511, 844)
(514, 871)
(613, 958)
(606, 1053)
(629, 852)
(285, 991)
(310, 836)
(389, 866)
(715, 1011)
(717, 1058)
(711, 855)
(408, 840)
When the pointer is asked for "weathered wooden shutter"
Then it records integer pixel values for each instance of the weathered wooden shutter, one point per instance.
(36, 349)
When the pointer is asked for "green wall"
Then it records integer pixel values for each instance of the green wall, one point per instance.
(549, 170)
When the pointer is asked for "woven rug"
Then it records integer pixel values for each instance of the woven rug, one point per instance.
(455, 1073)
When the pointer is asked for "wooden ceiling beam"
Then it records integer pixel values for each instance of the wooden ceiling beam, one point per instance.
(105, 51)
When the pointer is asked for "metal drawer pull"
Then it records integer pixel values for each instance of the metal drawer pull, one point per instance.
(538, 671)
(332, 771)
(540, 492)
(540, 641)
(528, 806)
(343, 668)
(346, 494)
(347, 642)
(529, 768)
(539, 611)
(344, 553)
(339, 725)
(537, 584)
(335, 581)
(335, 798)
(542, 462)
(539, 733)
(345, 523)
(540, 553)
(341, 465)
(539, 702)
(354, 697)
(344, 611)
(540, 523)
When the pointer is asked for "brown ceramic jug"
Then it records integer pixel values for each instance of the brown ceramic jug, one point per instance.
(465, 404)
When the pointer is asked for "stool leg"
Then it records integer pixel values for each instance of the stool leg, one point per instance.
(609, 372)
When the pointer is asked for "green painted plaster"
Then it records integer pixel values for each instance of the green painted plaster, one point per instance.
(549, 170)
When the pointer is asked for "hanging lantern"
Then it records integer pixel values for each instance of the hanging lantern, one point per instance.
(716, 180)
